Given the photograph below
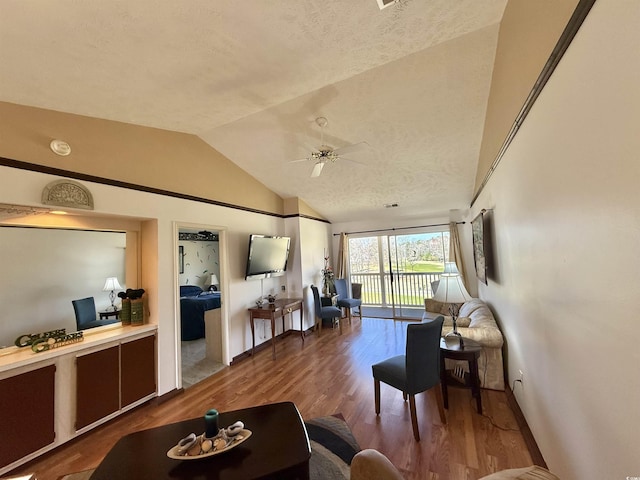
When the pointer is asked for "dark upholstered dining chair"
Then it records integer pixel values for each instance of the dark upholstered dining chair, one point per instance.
(85, 310)
(344, 301)
(415, 372)
(322, 312)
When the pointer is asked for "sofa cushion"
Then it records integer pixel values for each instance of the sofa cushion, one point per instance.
(461, 322)
(433, 306)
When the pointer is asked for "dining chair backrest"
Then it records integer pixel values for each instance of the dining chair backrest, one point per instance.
(341, 288)
(316, 300)
(85, 310)
(423, 355)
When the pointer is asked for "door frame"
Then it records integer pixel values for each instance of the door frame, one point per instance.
(224, 288)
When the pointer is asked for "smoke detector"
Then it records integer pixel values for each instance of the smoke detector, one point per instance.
(60, 147)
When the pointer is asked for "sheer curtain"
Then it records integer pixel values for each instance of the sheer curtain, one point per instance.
(455, 252)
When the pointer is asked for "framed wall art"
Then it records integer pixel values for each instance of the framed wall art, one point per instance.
(481, 250)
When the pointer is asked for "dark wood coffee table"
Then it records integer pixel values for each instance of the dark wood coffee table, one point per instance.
(277, 449)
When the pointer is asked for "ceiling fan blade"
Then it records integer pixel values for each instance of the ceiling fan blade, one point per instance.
(351, 161)
(317, 169)
(299, 160)
(356, 147)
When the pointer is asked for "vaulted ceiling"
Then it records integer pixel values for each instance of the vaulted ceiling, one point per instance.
(250, 78)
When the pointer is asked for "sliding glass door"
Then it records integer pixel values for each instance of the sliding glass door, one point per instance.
(396, 271)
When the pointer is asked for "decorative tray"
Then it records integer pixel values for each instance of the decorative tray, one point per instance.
(234, 442)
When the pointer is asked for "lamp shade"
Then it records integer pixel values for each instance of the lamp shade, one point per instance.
(451, 290)
(111, 284)
(213, 280)
(450, 268)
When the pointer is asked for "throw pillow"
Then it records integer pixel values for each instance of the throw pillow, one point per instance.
(461, 322)
(430, 305)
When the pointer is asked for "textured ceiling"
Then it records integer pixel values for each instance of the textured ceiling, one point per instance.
(250, 78)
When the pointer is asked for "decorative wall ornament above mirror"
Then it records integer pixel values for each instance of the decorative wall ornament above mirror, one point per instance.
(67, 193)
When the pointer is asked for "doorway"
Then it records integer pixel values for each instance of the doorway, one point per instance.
(201, 322)
(396, 271)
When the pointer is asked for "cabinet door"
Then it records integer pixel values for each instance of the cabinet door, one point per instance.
(26, 413)
(97, 385)
(138, 369)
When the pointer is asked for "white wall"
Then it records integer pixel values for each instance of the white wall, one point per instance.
(315, 239)
(565, 202)
(44, 269)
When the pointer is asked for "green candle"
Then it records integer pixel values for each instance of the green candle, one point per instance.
(211, 421)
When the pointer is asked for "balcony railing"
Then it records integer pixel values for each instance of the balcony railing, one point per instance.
(410, 289)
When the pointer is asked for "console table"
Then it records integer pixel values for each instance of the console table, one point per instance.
(271, 311)
(109, 313)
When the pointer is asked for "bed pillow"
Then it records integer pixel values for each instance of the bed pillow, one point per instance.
(190, 290)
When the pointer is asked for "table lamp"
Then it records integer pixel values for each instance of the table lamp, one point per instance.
(213, 281)
(451, 290)
(111, 285)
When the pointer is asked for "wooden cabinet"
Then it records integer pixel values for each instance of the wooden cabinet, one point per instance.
(49, 398)
(137, 369)
(97, 385)
(113, 378)
(26, 413)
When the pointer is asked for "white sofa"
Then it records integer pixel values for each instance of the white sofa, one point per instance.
(475, 321)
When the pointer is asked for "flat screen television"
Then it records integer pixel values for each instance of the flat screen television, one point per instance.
(267, 256)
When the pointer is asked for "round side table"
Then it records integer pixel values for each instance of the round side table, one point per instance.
(470, 352)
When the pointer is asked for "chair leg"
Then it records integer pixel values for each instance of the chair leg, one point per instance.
(414, 418)
(440, 402)
(349, 315)
(376, 393)
(404, 396)
(340, 325)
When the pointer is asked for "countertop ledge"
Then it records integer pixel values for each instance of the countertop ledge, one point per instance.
(15, 357)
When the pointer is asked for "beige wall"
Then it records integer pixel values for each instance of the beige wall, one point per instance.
(295, 206)
(565, 204)
(528, 32)
(150, 157)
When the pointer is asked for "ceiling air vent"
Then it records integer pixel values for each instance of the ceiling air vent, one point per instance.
(385, 3)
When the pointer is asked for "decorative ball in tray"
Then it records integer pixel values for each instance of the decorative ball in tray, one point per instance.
(194, 447)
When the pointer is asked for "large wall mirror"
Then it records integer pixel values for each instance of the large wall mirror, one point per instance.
(46, 266)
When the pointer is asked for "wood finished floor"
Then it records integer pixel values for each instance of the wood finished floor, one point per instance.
(324, 376)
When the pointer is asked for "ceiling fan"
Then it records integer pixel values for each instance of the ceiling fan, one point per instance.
(325, 153)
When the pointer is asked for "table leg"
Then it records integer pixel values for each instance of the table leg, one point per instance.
(475, 382)
(273, 337)
(253, 335)
(443, 382)
(301, 327)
